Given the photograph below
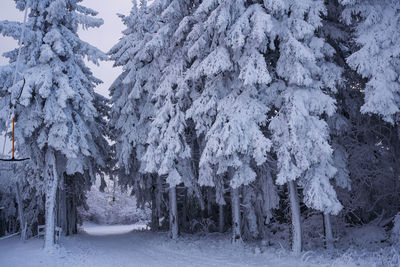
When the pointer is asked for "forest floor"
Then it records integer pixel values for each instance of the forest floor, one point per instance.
(132, 245)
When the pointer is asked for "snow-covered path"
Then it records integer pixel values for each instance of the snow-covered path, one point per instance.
(126, 246)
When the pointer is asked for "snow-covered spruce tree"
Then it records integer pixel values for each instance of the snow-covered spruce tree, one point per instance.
(339, 127)
(56, 118)
(131, 94)
(300, 133)
(230, 103)
(167, 152)
(372, 147)
(377, 59)
(337, 34)
(369, 145)
(21, 194)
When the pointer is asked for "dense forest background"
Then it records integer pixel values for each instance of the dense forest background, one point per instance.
(243, 116)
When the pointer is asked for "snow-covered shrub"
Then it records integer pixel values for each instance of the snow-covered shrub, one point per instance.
(313, 231)
(204, 225)
(364, 236)
(383, 257)
(395, 234)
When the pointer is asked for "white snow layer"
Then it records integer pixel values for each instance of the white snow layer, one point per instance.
(128, 245)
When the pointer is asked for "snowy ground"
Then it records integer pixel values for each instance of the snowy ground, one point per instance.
(129, 245)
(124, 245)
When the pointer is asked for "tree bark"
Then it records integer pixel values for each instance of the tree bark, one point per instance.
(72, 215)
(184, 222)
(155, 204)
(50, 205)
(21, 216)
(296, 219)
(159, 192)
(154, 215)
(62, 216)
(173, 213)
(221, 218)
(328, 231)
(236, 233)
(209, 206)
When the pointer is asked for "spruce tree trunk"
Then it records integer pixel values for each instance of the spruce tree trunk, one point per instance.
(62, 218)
(221, 218)
(70, 219)
(236, 234)
(64, 214)
(199, 198)
(114, 186)
(296, 219)
(72, 216)
(50, 205)
(328, 231)
(154, 215)
(21, 216)
(159, 192)
(209, 206)
(173, 213)
(185, 206)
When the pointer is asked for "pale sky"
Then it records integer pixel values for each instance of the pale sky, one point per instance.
(103, 38)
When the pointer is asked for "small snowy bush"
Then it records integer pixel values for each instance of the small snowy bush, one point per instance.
(395, 235)
(205, 225)
(367, 235)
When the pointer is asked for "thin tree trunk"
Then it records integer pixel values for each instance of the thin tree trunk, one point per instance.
(61, 204)
(20, 211)
(159, 192)
(154, 215)
(296, 219)
(198, 193)
(50, 205)
(74, 222)
(184, 212)
(114, 186)
(69, 215)
(209, 206)
(63, 216)
(328, 231)
(221, 218)
(173, 213)
(236, 233)
(58, 208)
(155, 218)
